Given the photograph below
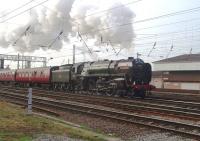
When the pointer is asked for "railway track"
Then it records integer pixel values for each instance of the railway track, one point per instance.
(172, 95)
(160, 101)
(183, 109)
(55, 106)
(135, 106)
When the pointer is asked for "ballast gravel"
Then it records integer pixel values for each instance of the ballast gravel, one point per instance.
(125, 131)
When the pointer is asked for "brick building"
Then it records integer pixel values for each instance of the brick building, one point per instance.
(180, 72)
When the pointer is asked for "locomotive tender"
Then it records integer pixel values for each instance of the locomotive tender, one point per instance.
(114, 77)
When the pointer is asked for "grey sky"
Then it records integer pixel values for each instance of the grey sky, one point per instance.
(180, 31)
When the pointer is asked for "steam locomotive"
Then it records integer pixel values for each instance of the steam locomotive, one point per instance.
(112, 77)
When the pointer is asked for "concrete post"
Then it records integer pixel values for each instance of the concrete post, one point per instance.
(29, 101)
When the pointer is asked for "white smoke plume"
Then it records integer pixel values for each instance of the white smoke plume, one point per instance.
(49, 27)
(105, 26)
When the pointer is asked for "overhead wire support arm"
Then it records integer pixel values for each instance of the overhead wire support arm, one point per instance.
(190, 51)
(112, 47)
(84, 43)
(118, 52)
(24, 33)
(152, 49)
(51, 44)
(171, 49)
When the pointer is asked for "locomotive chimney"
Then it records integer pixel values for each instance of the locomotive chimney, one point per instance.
(130, 58)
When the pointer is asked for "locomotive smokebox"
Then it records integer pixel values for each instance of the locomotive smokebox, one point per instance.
(130, 58)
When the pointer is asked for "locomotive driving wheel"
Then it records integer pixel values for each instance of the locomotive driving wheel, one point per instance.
(140, 93)
(92, 84)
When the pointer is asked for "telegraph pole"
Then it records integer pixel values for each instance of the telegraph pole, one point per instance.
(18, 61)
(22, 61)
(73, 54)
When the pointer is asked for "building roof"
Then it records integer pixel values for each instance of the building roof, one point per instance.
(181, 58)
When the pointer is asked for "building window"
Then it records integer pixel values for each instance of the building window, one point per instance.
(166, 72)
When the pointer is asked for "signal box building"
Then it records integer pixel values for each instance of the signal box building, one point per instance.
(180, 72)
